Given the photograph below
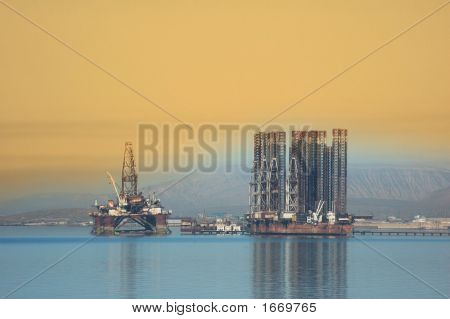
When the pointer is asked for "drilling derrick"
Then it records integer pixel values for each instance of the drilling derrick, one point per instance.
(255, 193)
(267, 185)
(274, 191)
(263, 182)
(129, 176)
(292, 193)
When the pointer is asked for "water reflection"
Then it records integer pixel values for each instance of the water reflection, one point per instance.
(139, 266)
(294, 267)
(128, 269)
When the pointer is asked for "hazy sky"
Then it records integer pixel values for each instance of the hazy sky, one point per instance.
(63, 122)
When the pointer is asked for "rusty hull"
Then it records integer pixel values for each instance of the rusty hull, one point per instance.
(276, 228)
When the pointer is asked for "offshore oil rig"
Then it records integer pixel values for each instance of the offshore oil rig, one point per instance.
(130, 212)
(312, 199)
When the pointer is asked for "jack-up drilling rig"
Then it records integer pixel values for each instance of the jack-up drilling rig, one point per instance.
(130, 212)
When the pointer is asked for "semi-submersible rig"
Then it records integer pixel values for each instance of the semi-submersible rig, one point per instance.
(130, 212)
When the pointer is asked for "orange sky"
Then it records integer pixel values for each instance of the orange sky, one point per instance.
(63, 122)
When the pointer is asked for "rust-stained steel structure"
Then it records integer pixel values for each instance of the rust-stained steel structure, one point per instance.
(321, 173)
(268, 183)
(130, 212)
(146, 224)
(312, 199)
(323, 229)
(339, 171)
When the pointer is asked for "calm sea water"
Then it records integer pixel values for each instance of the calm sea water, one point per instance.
(219, 267)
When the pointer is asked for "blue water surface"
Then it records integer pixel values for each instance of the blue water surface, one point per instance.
(67, 262)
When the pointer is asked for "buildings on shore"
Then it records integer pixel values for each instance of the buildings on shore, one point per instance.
(312, 172)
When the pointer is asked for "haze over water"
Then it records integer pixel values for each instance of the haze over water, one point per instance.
(219, 267)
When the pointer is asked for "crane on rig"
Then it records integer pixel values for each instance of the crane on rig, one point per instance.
(316, 217)
(120, 199)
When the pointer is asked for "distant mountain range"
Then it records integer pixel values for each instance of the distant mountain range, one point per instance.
(388, 182)
(377, 190)
(403, 192)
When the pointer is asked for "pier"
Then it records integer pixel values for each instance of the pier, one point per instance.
(212, 232)
(401, 232)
